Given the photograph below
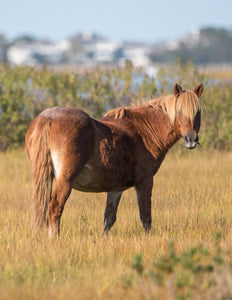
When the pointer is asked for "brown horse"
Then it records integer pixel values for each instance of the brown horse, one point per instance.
(123, 149)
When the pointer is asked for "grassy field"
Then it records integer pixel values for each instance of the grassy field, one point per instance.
(219, 73)
(191, 203)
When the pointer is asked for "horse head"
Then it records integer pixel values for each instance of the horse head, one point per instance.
(188, 114)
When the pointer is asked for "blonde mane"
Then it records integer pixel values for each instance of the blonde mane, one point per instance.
(187, 104)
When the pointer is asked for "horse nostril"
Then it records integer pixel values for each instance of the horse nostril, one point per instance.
(187, 139)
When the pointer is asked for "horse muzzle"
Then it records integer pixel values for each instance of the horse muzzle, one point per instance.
(191, 141)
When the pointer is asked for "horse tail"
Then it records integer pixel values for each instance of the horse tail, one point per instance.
(37, 145)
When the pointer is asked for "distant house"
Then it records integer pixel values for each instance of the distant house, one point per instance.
(137, 53)
(189, 41)
(91, 48)
(21, 55)
(104, 52)
(37, 52)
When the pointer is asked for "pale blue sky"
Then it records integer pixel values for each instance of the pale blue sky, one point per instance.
(141, 20)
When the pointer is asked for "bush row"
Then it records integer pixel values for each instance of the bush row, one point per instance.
(26, 91)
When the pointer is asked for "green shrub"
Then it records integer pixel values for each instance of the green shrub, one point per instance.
(26, 91)
(194, 273)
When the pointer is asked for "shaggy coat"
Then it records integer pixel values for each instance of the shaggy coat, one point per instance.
(123, 149)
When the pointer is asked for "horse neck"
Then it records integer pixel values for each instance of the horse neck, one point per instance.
(155, 129)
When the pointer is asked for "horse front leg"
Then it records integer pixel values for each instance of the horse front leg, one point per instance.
(56, 206)
(112, 202)
(143, 193)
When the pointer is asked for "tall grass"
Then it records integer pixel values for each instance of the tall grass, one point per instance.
(191, 202)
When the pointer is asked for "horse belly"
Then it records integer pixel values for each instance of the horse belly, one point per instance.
(92, 179)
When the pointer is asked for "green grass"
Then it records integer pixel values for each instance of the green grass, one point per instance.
(191, 202)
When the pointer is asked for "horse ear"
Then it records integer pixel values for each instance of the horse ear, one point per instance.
(177, 90)
(198, 89)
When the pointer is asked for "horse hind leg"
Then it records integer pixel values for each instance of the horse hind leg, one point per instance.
(65, 172)
(112, 202)
(60, 195)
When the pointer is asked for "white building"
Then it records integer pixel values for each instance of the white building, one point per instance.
(138, 55)
(21, 55)
(37, 52)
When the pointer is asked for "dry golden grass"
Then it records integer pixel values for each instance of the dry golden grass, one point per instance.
(191, 202)
(218, 73)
